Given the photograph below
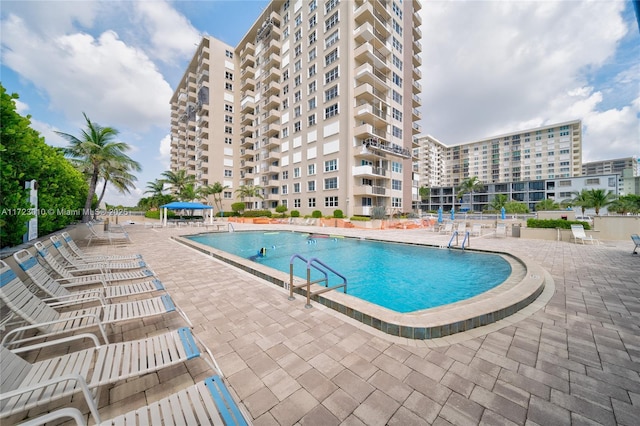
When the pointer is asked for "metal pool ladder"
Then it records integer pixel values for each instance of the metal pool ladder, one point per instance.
(318, 265)
(455, 235)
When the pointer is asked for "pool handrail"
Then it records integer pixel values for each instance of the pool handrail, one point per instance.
(313, 263)
(454, 235)
(466, 238)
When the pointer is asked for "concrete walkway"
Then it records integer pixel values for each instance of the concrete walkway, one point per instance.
(573, 358)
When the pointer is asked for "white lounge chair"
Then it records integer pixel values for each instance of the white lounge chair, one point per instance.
(501, 230)
(41, 278)
(109, 237)
(49, 322)
(476, 230)
(98, 258)
(205, 403)
(461, 228)
(26, 385)
(78, 263)
(447, 228)
(578, 234)
(83, 276)
(636, 240)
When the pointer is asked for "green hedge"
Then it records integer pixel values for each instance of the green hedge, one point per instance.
(155, 214)
(257, 213)
(555, 223)
(295, 213)
(316, 214)
(360, 218)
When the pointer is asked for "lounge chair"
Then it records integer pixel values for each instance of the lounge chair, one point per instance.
(501, 230)
(49, 322)
(79, 263)
(41, 278)
(98, 258)
(84, 276)
(109, 237)
(476, 230)
(636, 240)
(578, 234)
(447, 228)
(26, 385)
(461, 228)
(205, 403)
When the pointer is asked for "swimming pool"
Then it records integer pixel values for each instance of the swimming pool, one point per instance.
(402, 277)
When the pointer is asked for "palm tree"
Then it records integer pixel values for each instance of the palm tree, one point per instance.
(249, 191)
(94, 149)
(216, 189)
(178, 181)
(119, 175)
(581, 199)
(156, 189)
(498, 202)
(469, 186)
(598, 198)
(547, 205)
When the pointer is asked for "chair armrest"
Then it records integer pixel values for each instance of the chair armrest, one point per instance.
(59, 341)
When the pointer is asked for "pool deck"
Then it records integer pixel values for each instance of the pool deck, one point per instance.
(571, 357)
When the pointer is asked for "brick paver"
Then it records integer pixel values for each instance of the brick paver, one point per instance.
(576, 359)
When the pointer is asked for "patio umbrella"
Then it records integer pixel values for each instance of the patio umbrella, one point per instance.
(453, 213)
(502, 214)
(440, 215)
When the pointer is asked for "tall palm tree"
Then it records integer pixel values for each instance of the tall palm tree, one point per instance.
(178, 181)
(216, 189)
(249, 191)
(120, 177)
(600, 198)
(546, 205)
(96, 147)
(581, 199)
(469, 186)
(156, 189)
(499, 201)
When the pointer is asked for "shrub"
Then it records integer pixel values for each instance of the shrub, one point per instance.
(338, 214)
(378, 212)
(555, 223)
(360, 218)
(295, 213)
(155, 214)
(316, 214)
(281, 209)
(257, 213)
(238, 207)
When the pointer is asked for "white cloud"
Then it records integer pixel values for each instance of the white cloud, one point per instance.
(21, 107)
(495, 67)
(170, 33)
(110, 81)
(165, 152)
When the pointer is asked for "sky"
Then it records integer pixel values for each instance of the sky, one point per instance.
(489, 67)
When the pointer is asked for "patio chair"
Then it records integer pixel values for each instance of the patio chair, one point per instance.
(98, 258)
(476, 230)
(501, 230)
(49, 322)
(447, 228)
(205, 403)
(636, 240)
(26, 385)
(109, 237)
(83, 276)
(461, 228)
(578, 234)
(54, 289)
(76, 262)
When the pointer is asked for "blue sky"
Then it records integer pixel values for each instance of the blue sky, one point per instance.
(489, 67)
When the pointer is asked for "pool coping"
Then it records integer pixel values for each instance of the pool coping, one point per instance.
(524, 285)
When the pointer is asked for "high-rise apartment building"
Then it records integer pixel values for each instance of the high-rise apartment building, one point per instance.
(546, 152)
(617, 165)
(317, 106)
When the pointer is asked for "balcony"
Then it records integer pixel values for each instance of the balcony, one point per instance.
(366, 92)
(417, 74)
(270, 130)
(416, 101)
(247, 119)
(248, 130)
(273, 76)
(366, 130)
(371, 113)
(366, 73)
(247, 104)
(368, 171)
(416, 128)
(417, 115)
(247, 153)
(272, 101)
(378, 145)
(374, 14)
(247, 142)
(271, 116)
(366, 53)
(271, 88)
(368, 190)
(367, 33)
(417, 46)
(247, 83)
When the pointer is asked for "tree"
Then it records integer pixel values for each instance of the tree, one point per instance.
(216, 189)
(599, 198)
(95, 150)
(513, 207)
(120, 176)
(178, 181)
(469, 186)
(498, 202)
(629, 203)
(546, 205)
(580, 199)
(24, 155)
(156, 189)
(249, 191)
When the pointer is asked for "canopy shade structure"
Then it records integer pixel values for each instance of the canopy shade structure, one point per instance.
(182, 205)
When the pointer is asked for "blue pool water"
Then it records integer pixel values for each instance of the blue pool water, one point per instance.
(400, 277)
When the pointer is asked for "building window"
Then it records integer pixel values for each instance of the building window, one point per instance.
(298, 20)
(331, 22)
(331, 201)
(311, 169)
(285, 174)
(312, 87)
(228, 86)
(297, 66)
(396, 131)
(397, 10)
(331, 57)
(228, 54)
(313, 5)
(228, 75)
(396, 202)
(397, 62)
(313, 21)
(228, 173)
(297, 96)
(330, 93)
(592, 181)
(296, 203)
(396, 167)
(397, 27)
(298, 51)
(296, 188)
(227, 195)
(397, 114)
(328, 6)
(296, 111)
(331, 39)
(311, 120)
(296, 172)
(228, 130)
(396, 184)
(331, 183)
(312, 103)
(312, 38)
(396, 44)
(397, 80)
(284, 189)
(331, 111)
(228, 141)
(311, 186)
(312, 70)
(331, 165)
(296, 126)
(397, 97)
(331, 75)
(228, 108)
(285, 132)
(228, 119)
(312, 54)
(312, 202)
